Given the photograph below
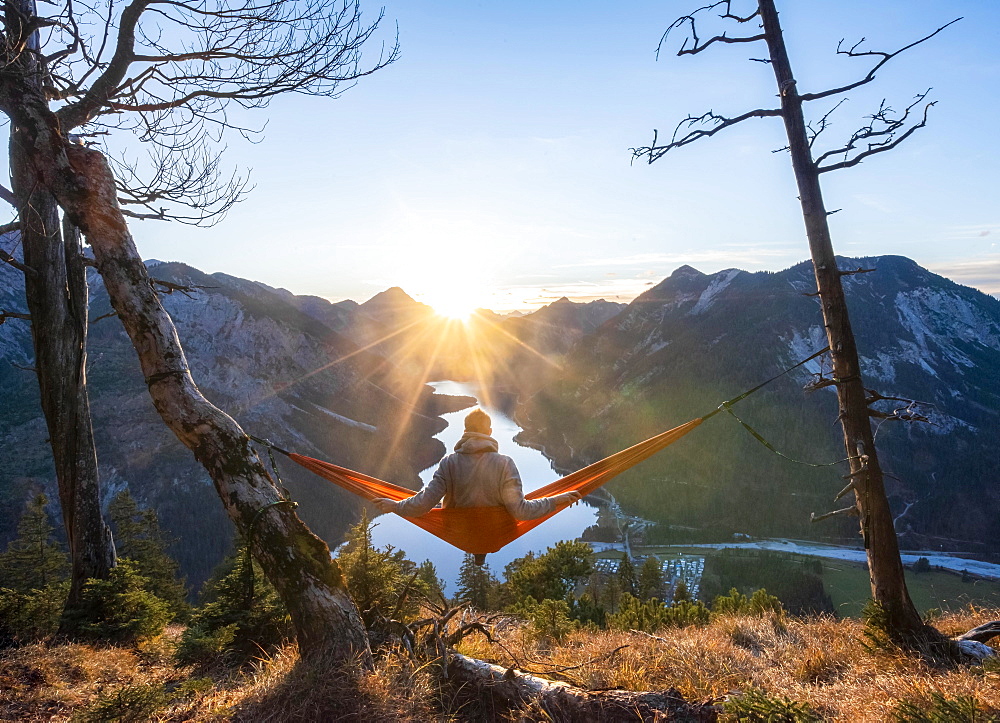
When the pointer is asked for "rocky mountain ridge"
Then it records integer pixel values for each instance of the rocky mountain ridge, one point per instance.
(341, 381)
(697, 339)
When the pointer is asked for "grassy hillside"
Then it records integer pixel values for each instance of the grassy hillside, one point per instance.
(817, 666)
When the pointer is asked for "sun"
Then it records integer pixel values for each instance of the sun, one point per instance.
(452, 303)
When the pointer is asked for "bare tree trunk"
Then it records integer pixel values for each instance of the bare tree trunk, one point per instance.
(57, 301)
(884, 564)
(296, 562)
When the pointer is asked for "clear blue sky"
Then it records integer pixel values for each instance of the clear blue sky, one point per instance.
(493, 156)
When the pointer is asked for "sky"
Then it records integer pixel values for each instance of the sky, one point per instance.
(492, 162)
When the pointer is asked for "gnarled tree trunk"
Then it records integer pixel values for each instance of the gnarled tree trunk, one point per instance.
(296, 562)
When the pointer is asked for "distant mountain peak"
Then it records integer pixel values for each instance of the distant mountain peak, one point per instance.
(685, 271)
(392, 295)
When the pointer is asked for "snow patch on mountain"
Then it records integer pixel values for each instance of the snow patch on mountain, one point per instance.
(718, 284)
(347, 420)
(803, 345)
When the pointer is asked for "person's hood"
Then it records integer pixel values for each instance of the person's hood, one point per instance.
(475, 442)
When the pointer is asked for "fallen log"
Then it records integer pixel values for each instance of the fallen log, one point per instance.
(564, 702)
(983, 633)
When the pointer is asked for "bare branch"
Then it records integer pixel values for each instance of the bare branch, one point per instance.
(654, 152)
(6, 257)
(7, 195)
(4, 315)
(160, 215)
(851, 511)
(880, 135)
(223, 51)
(822, 124)
(696, 45)
(858, 270)
(103, 316)
(853, 52)
(169, 287)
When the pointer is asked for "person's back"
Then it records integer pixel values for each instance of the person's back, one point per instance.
(476, 475)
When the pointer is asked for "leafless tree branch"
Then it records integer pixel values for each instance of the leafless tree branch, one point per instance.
(6, 257)
(856, 271)
(813, 131)
(690, 22)
(880, 135)
(853, 52)
(169, 287)
(717, 122)
(4, 315)
(103, 316)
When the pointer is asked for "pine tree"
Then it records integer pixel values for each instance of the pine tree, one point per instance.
(381, 581)
(611, 595)
(33, 579)
(139, 538)
(477, 586)
(240, 614)
(33, 559)
(650, 579)
(427, 577)
(552, 575)
(626, 576)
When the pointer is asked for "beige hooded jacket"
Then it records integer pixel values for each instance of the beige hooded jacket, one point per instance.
(476, 476)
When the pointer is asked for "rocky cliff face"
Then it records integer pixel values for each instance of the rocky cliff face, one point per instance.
(695, 340)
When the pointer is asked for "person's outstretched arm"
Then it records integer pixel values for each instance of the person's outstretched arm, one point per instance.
(522, 509)
(420, 503)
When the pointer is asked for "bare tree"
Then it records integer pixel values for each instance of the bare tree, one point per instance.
(170, 71)
(885, 130)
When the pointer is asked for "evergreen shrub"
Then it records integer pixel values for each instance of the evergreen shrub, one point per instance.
(33, 615)
(120, 609)
(736, 603)
(241, 614)
(756, 706)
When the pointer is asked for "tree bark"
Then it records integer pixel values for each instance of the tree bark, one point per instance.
(884, 564)
(56, 295)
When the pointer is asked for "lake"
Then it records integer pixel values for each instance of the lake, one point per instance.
(535, 470)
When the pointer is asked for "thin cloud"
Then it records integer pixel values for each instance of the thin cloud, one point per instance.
(982, 273)
(974, 231)
(747, 256)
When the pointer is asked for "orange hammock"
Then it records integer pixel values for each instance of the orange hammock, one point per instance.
(481, 530)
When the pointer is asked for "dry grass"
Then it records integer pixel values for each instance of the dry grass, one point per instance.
(821, 662)
(63, 682)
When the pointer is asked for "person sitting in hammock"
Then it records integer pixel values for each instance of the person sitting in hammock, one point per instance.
(476, 476)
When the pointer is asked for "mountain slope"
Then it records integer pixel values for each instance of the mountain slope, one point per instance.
(695, 340)
(280, 372)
